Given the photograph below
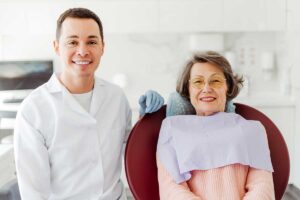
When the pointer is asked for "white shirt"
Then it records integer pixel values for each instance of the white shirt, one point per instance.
(64, 152)
(84, 99)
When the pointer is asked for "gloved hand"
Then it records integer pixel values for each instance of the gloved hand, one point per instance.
(150, 102)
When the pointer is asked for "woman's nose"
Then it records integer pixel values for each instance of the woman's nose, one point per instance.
(207, 87)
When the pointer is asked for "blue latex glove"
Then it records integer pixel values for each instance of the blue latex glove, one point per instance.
(150, 102)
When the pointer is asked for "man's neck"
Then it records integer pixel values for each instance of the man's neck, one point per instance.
(77, 85)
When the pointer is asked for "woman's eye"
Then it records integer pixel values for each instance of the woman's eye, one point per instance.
(198, 82)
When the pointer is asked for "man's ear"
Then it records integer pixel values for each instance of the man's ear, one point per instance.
(103, 47)
(56, 47)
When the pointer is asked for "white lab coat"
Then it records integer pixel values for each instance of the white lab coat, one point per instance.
(64, 152)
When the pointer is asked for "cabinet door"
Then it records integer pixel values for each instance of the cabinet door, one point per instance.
(276, 15)
(244, 15)
(124, 17)
(190, 16)
(254, 15)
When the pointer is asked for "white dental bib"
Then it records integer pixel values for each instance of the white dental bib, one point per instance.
(191, 142)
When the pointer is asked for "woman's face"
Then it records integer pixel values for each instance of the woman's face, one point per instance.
(207, 88)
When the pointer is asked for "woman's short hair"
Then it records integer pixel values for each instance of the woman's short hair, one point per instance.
(234, 82)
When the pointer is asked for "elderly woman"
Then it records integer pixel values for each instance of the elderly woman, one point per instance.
(212, 155)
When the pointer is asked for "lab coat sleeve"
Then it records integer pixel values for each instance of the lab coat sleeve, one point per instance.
(32, 160)
(128, 124)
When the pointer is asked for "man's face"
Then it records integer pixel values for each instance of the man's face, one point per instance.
(80, 47)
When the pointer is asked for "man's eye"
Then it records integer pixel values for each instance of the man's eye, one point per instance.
(71, 43)
(92, 42)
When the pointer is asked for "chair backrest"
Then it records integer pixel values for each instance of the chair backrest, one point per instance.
(140, 155)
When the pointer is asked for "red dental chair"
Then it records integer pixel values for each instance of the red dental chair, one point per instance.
(140, 155)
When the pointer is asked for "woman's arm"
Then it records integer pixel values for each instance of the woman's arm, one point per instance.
(259, 185)
(169, 190)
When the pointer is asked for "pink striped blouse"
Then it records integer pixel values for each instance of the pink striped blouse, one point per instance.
(232, 182)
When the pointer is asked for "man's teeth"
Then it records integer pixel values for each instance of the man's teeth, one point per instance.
(82, 62)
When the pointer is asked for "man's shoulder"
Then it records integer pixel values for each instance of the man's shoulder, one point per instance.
(35, 97)
(108, 86)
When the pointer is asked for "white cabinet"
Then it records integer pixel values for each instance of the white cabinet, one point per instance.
(125, 16)
(134, 16)
(276, 14)
(190, 16)
(222, 15)
(254, 15)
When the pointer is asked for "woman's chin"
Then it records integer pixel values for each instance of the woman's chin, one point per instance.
(207, 112)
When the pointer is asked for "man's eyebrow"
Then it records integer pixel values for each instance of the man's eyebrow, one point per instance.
(72, 36)
(90, 36)
(93, 36)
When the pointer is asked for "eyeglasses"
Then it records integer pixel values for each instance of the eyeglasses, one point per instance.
(214, 82)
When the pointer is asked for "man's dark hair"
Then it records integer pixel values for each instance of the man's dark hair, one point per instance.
(81, 13)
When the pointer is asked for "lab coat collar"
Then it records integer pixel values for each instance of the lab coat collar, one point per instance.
(98, 95)
(54, 85)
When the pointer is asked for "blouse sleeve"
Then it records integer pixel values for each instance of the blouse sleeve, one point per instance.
(169, 190)
(259, 185)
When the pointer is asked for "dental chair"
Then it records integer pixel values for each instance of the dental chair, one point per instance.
(140, 154)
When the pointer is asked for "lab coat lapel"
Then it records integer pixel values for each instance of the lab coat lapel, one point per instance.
(54, 85)
(72, 103)
(98, 96)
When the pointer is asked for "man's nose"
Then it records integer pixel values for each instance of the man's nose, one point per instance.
(82, 50)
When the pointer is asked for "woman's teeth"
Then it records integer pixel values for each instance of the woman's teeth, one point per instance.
(207, 98)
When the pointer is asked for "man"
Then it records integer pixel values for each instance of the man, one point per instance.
(70, 131)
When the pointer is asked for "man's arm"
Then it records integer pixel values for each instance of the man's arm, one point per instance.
(32, 160)
(150, 102)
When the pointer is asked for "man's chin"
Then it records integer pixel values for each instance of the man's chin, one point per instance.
(81, 74)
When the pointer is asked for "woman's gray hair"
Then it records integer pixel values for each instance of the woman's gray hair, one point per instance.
(234, 82)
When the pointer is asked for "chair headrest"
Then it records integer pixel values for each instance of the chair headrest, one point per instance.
(179, 105)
